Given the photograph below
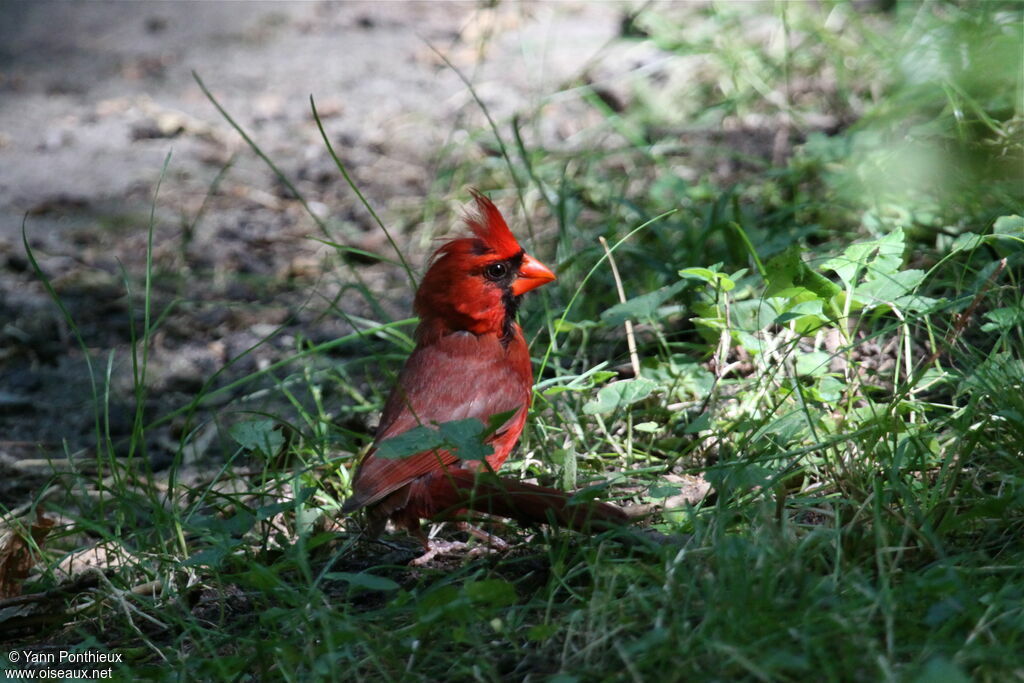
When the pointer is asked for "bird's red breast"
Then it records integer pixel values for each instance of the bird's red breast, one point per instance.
(470, 361)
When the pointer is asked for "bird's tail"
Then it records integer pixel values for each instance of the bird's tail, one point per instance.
(527, 503)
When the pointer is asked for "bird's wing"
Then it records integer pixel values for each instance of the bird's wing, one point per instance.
(459, 376)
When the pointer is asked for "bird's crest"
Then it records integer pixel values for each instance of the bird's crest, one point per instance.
(490, 228)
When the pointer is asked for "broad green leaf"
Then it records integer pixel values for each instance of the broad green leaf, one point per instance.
(800, 310)
(619, 395)
(888, 288)
(941, 670)
(830, 389)
(748, 341)
(1007, 234)
(753, 315)
(869, 260)
(737, 475)
(208, 557)
(702, 423)
(711, 277)
(570, 325)
(540, 632)
(889, 257)
(363, 580)
(644, 306)
(917, 303)
(967, 241)
(466, 438)
(268, 511)
(494, 592)
(1009, 225)
(1000, 319)
(812, 364)
(499, 420)
(783, 429)
(705, 274)
(235, 526)
(408, 443)
(258, 436)
(581, 383)
(787, 270)
(663, 491)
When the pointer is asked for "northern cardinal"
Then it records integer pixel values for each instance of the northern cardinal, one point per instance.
(470, 361)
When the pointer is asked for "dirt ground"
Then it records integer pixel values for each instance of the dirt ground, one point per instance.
(93, 97)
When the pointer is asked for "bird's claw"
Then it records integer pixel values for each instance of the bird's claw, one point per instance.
(437, 547)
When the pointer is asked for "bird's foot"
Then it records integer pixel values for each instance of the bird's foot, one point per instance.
(437, 547)
(493, 542)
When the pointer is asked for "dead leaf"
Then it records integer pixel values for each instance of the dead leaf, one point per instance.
(17, 554)
(95, 557)
(692, 490)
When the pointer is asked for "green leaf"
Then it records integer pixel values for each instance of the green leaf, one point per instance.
(705, 274)
(209, 557)
(916, 303)
(493, 592)
(235, 526)
(663, 491)
(713, 278)
(748, 341)
(830, 389)
(363, 580)
(1008, 225)
(1007, 234)
(498, 420)
(887, 289)
(869, 260)
(737, 475)
(619, 394)
(570, 325)
(539, 632)
(1000, 319)
(800, 310)
(967, 241)
(787, 270)
(581, 383)
(647, 427)
(410, 442)
(702, 423)
(268, 511)
(941, 670)
(753, 315)
(812, 364)
(258, 436)
(466, 438)
(889, 257)
(644, 306)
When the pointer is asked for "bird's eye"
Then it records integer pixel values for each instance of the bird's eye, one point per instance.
(496, 271)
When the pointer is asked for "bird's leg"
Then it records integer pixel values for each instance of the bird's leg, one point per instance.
(437, 547)
(492, 541)
(433, 547)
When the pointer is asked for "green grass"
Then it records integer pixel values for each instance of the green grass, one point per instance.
(834, 342)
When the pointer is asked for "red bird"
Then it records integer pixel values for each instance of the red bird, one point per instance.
(470, 361)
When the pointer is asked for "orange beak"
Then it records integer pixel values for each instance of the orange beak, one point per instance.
(532, 274)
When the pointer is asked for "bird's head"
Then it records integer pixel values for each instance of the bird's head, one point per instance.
(474, 283)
